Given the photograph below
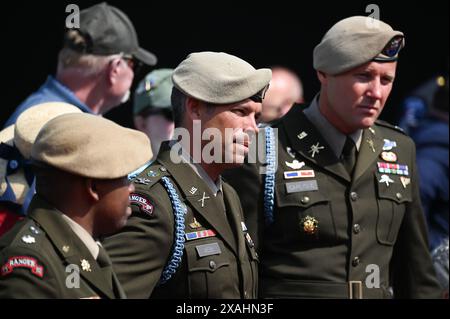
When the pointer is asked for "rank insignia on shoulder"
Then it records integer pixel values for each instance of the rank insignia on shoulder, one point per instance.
(142, 202)
(299, 174)
(22, 262)
(152, 174)
(28, 239)
(295, 164)
(200, 234)
(310, 225)
(85, 265)
(143, 181)
(389, 156)
(389, 145)
(405, 181)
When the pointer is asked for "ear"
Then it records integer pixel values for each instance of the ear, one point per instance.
(322, 77)
(193, 108)
(112, 71)
(92, 189)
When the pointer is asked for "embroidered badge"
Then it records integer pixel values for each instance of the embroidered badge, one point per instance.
(22, 262)
(142, 202)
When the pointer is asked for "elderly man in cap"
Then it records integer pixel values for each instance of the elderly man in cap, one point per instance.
(96, 64)
(82, 194)
(152, 108)
(340, 216)
(187, 228)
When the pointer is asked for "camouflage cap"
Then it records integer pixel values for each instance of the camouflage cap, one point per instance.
(154, 91)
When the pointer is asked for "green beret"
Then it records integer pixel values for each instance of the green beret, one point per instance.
(153, 91)
(354, 41)
(220, 78)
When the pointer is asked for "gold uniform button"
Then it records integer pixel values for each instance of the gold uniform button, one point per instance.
(399, 196)
(354, 196)
(355, 261)
(305, 199)
(212, 264)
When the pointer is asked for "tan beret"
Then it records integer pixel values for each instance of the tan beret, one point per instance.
(30, 122)
(91, 146)
(354, 41)
(219, 78)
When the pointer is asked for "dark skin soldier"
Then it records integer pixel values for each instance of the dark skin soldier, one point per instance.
(82, 194)
(340, 216)
(187, 235)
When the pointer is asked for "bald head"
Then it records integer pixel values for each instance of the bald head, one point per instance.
(285, 89)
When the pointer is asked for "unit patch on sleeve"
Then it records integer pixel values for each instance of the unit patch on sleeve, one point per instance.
(22, 262)
(142, 202)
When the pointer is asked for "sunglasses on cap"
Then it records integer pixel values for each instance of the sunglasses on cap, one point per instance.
(392, 48)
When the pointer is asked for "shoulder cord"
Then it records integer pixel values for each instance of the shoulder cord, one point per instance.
(178, 246)
(269, 180)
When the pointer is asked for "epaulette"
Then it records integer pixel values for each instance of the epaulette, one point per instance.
(388, 125)
(150, 176)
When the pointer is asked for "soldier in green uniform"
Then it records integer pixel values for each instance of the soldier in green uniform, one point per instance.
(339, 213)
(187, 236)
(82, 193)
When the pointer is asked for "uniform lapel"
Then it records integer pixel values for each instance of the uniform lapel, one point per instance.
(211, 209)
(233, 207)
(370, 149)
(68, 245)
(305, 139)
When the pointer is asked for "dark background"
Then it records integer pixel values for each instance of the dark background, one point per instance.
(263, 33)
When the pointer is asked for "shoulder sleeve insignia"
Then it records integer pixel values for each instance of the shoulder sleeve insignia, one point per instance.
(144, 204)
(22, 262)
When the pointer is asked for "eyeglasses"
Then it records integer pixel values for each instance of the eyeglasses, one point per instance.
(133, 63)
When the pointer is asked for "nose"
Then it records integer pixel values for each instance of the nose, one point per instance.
(251, 125)
(375, 89)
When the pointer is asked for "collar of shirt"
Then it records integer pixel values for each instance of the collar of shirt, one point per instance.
(65, 93)
(332, 135)
(84, 236)
(215, 187)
